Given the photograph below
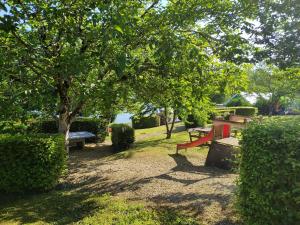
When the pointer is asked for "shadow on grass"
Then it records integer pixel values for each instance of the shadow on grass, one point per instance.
(54, 207)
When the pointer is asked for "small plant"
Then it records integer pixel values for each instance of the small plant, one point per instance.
(122, 136)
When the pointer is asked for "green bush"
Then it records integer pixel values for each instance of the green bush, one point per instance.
(122, 136)
(269, 183)
(145, 122)
(12, 127)
(239, 110)
(263, 106)
(31, 162)
(95, 126)
(195, 121)
(245, 111)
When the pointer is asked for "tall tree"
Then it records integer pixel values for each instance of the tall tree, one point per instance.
(69, 51)
(278, 31)
(275, 83)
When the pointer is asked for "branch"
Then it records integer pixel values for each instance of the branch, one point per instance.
(149, 8)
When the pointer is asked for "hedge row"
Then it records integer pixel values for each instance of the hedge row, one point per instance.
(269, 183)
(31, 162)
(145, 122)
(95, 126)
(194, 121)
(122, 136)
(240, 110)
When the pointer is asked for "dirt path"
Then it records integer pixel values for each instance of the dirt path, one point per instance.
(162, 180)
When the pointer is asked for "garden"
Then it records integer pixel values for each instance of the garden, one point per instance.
(212, 90)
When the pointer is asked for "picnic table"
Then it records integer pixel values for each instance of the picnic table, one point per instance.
(200, 130)
(78, 138)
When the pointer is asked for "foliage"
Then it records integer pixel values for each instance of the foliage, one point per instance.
(269, 183)
(122, 136)
(275, 83)
(95, 126)
(195, 120)
(30, 162)
(238, 100)
(277, 36)
(145, 122)
(263, 106)
(245, 111)
(239, 110)
(12, 127)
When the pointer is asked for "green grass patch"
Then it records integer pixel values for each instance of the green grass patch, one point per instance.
(59, 207)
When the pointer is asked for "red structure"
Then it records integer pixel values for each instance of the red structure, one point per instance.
(217, 132)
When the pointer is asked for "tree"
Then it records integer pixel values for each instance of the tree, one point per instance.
(275, 83)
(277, 32)
(68, 52)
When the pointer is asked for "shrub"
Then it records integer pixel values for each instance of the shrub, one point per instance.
(195, 121)
(239, 110)
(31, 162)
(95, 126)
(145, 122)
(122, 136)
(263, 106)
(269, 183)
(12, 127)
(245, 111)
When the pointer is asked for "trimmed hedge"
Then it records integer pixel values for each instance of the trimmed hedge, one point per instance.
(145, 122)
(12, 127)
(31, 162)
(95, 126)
(269, 183)
(245, 111)
(194, 121)
(240, 110)
(122, 136)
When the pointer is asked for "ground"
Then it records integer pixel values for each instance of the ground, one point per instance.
(149, 173)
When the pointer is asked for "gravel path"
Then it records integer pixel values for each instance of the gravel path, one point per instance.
(160, 180)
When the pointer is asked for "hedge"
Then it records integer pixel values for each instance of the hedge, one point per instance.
(95, 126)
(12, 127)
(122, 136)
(31, 162)
(239, 110)
(194, 121)
(269, 183)
(145, 122)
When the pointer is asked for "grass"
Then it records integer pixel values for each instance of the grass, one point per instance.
(158, 144)
(69, 207)
(59, 207)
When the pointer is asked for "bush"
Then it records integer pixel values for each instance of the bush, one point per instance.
(95, 126)
(240, 110)
(269, 183)
(195, 121)
(122, 136)
(145, 122)
(31, 162)
(12, 127)
(263, 106)
(245, 111)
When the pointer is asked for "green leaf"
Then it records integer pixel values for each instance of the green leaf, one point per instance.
(118, 28)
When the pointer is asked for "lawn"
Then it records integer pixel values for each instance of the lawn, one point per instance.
(147, 184)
